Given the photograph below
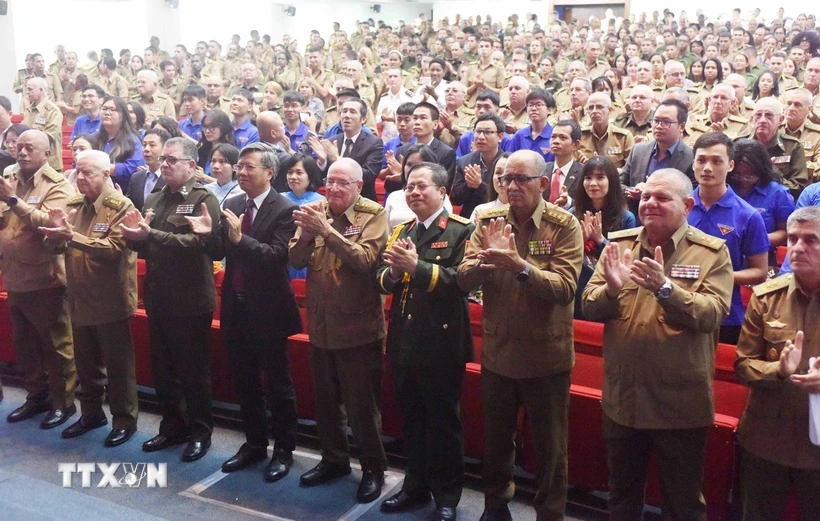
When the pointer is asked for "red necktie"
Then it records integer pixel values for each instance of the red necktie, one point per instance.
(555, 185)
(237, 279)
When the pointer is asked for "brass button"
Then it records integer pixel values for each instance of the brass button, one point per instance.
(409, 317)
(444, 326)
(411, 296)
(438, 257)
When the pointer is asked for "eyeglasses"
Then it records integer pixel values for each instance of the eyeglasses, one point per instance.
(538, 105)
(108, 109)
(520, 180)
(171, 160)
(421, 187)
(245, 166)
(663, 123)
(486, 132)
(333, 182)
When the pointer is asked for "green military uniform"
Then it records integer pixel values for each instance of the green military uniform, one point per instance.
(789, 158)
(616, 144)
(553, 84)
(47, 117)
(180, 300)
(809, 136)
(156, 106)
(429, 341)
(627, 121)
(102, 295)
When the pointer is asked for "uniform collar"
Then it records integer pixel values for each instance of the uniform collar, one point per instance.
(676, 238)
(535, 217)
(430, 220)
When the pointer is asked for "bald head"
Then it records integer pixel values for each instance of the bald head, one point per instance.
(36, 89)
(770, 104)
(347, 166)
(270, 126)
(33, 151)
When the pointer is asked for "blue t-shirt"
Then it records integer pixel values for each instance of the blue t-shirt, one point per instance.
(298, 137)
(245, 134)
(306, 198)
(124, 170)
(522, 140)
(85, 125)
(192, 129)
(741, 226)
(465, 143)
(809, 197)
(773, 202)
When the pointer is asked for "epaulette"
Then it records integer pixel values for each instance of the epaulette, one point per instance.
(113, 202)
(74, 201)
(367, 206)
(693, 90)
(467, 110)
(624, 234)
(772, 285)
(396, 232)
(408, 93)
(460, 219)
(787, 89)
(474, 62)
(788, 137)
(556, 215)
(619, 130)
(135, 97)
(500, 211)
(586, 128)
(54, 176)
(698, 237)
(739, 119)
(812, 126)
(700, 127)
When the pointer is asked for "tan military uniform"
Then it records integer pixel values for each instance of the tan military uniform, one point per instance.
(583, 120)
(332, 117)
(46, 116)
(102, 290)
(367, 93)
(157, 106)
(324, 77)
(627, 121)
(520, 119)
(562, 99)
(789, 158)
(34, 277)
(528, 345)
(115, 85)
(231, 70)
(492, 73)
(463, 120)
(746, 109)
(20, 78)
(346, 329)
(787, 82)
(597, 70)
(809, 136)
(616, 144)
(223, 104)
(561, 65)
(174, 91)
(736, 127)
(288, 78)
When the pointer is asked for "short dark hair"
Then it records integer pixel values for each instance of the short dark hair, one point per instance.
(229, 152)
(406, 109)
(165, 63)
(110, 63)
(245, 93)
(96, 88)
(6, 104)
(158, 131)
(316, 48)
(575, 129)
(429, 106)
(362, 105)
(313, 171)
(293, 97)
(437, 172)
(543, 95)
(683, 112)
(491, 96)
(711, 139)
(194, 91)
(500, 125)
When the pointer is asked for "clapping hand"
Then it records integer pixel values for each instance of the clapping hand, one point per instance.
(234, 225)
(201, 224)
(135, 227)
(402, 258)
(313, 221)
(648, 273)
(501, 252)
(563, 198)
(316, 145)
(593, 229)
(394, 166)
(790, 356)
(61, 228)
(616, 268)
(472, 176)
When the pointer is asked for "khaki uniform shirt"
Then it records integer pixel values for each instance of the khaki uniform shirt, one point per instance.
(775, 424)
(463, 120)
(562, 99)
(528, 325)
(736, 127)
(287, 78)
(46, 116)
(20, 78)
(367, 93)
(627, 121)
(115, 85)
(223, 104)
(787, 82)
(343, 303)
(174, 91)
(231, 70)
(101, 270)
(324, 77)
(519, 119)
(809, 136)
(492, 73)
(157, 106)
(616, 144)
(597, 70)
(659, 356)
(28, 264)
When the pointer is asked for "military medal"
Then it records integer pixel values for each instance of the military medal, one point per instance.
(352, 230)
(100, 227)
(185, 209)
(685, 271)
(540, 247)
(778, 160)
(772, 355)
(442, 244)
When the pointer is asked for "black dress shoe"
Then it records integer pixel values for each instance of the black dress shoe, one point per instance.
(161, 441)
(57, 417)
(27, 410)
(322, 473)
(496, 514)
(85, 424)
(279, 466)
(247, 454)
(195, 450)
(118, 436)
(402, 502)
(444, 514)
(370, 487)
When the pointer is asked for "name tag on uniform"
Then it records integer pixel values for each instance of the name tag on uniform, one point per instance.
(612, 151)
(155, 108)
(185, 209)
(442, 244)
(100, 227)
(540, 247)
(806, 144)
(40, 121)
(34, 199)
(778, 160)
(352, 230)
(685, 271)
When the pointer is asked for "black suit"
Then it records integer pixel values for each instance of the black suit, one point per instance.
(368, 151)
(462, 194)
(445, 155)
(429, 340)
(257, 321)
(136, 188)
(571, 178)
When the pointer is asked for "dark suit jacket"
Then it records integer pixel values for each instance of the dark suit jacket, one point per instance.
(462, 194)
(432, 327)
(280, 180)
(367, 151)
(263, 257)
(446, 157)
(136, 187)
(634, 171)
(571, 180)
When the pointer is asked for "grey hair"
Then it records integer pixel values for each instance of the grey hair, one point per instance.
(585, 81)
(437, 172)
(38, 82)
(349, 167)
(98, 159)
(679, 93)
(266, 153)
(684, 183)
(803, 215)
(189, 151)
(148, 75)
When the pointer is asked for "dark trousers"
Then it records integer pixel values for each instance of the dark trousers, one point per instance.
(546, 401)
(429, 397)
(41, 333)
(181, 367)
(347, 385)
(105, 357)
(765, 487)
(680, 454)
(249, 358)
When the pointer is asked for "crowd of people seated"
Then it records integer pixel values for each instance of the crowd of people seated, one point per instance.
(512, 159)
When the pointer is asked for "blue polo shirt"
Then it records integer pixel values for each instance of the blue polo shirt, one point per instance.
(773, 202)
(192, 129)
(393, 146)
(245, 134)
(297, 137)
(522, 140)
(85, 125)
(337, 129)
(741, 226)
(809, 197)
(465, 143)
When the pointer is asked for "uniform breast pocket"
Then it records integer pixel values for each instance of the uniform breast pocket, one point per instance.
(178, 222)
(776, 339)
(542, 262)
(438, 255)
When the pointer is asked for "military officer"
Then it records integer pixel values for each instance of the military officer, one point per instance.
(601, 138)
(719, 118)
(786, 152)
(455, 118)
(154, 103)
(102, 295)
(429, 341)
(796, 124)
(483, 73)
(42, 114)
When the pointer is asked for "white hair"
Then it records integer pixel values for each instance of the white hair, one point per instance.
(98, 159)
(148, 75)
(349, 167)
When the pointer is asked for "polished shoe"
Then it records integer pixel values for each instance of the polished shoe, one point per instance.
(444, 514)
(402, 502)
(85, 424)
(370, 487)
(247, 454)
(161, 441)
(322, 473)
(195, 450)
(279, 466)
(496, 514)
(118, 436)
(57, 417)
(27, 410)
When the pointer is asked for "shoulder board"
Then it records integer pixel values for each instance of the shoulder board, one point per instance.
(556, 215)
(787, 137)
(693, 90)
(619, 130)
(367, 206)
(738, 119)
(812, 126)
(135, 97)
(396, 232)
(113, 202)
(328, 70)
(408, 93)
(77, 199)
(385, 94)
(467, 110)
(474, 62)
(586, 128)
(772, 285)
(624, 234)
(54, 176)
(160, 95)
(698, 237)
(700, 127)
(492, 213)
(460, 219)
(791, 87)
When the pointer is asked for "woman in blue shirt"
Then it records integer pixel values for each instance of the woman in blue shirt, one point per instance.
(120, 140)
(757, 182)
(223, 168)
(304, 179)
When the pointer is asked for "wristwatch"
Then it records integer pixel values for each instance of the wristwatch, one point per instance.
(524, 274)
(664, 291)
(11, 201)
